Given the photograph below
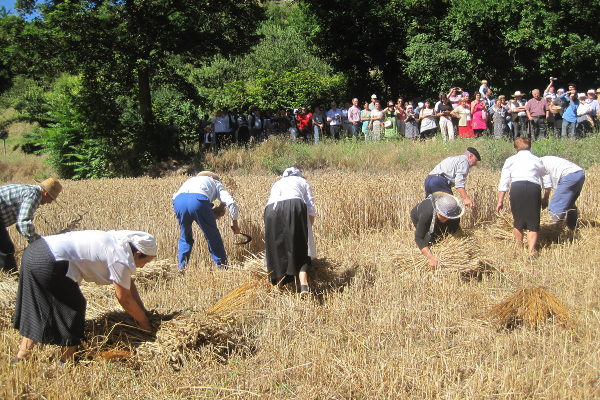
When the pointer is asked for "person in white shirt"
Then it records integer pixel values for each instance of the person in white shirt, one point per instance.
(50, 307)
(334, 117)
(523, 173)
(289, 241)
(567, 180)
(193, 202)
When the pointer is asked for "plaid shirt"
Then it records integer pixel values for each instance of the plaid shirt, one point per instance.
(17, 205)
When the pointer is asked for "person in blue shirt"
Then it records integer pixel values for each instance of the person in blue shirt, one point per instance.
(570, 114)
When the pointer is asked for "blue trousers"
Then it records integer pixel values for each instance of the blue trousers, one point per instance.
(191, 207)
(567, 192)
(437, 183)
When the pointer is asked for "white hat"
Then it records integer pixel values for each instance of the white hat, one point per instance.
(591, 91)
(581, 94)
(517, 94)
(421, 105)
(447, 205)
(561, 90)
(373, 96)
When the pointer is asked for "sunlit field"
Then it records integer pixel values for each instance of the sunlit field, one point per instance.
(380, 325)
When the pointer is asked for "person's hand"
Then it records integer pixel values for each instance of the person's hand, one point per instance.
(145, 325)
(499, 207)
(235, 227)
(433, 262)
(468, 202)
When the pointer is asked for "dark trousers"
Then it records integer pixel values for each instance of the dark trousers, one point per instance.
(520, 127)
(437, 183)
(334, 131)
(538, 128)
(7, 252)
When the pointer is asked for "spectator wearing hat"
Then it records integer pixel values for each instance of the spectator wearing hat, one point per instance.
(537, 112)
(193, 202)
(453, 171)
(50, 307)
(566, 178)
(593, 102)
(437, 215)
(373, 100)
(519, 115)
(585, 122)
(569, 116)
(523, 173)
(18, 204)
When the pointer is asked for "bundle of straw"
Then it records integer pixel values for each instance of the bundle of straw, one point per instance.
(155, 271)
(456, 253)
(8, 297)
(530, 307)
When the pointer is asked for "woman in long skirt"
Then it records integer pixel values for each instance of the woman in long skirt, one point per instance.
(50, 307)
(289, 241)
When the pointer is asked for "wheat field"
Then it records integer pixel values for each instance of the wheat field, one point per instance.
(380, 326)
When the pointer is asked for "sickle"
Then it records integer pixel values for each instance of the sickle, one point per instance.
(247, 239)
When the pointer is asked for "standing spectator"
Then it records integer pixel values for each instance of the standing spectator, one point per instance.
(376, 125)
(303, 121)
(412, 127)
(373, 100)
(519, 115)
(389, 125)
(400, 115)
(523, 173)
(557, 107)
(18, 204)
(427, 120)
(221, 124)
(289, 215)
(483, 89)
(499, 114)
(569, 117)
(334, 117)
(354, 118)
(444, 112)
(242, 134)
(346, 125)
(455, 95)
(489, 98)
(256, 122)
(549, 92)
(463, 113)
(593, 102)
(193, 202)
(318, 123)
(479, 113)
(584, 120)
(537, 112)
(567, 180)
(365, 117)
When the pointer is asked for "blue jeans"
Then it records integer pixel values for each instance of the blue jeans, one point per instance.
(562, 206)
(354, 129)
(568, 128)
(191, 207)
(316, 133)
(437, 183)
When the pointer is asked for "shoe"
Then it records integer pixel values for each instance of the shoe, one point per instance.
(222, 266)
(304, 290)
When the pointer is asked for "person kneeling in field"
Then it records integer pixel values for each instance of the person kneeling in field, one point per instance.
(193, 202)
(50, 307)
(567, 181)
(289, 216)
(437, 215)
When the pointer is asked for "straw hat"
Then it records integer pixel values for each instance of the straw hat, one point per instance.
(447, 205)
(51, 186)
(209, 174)
(517, 94)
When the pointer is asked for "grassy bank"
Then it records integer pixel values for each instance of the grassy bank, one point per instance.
(276, 154)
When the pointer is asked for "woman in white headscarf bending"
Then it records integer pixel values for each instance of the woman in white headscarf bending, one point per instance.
(289, 215)
(50, 307)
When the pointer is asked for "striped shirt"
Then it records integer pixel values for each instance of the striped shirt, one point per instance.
(18, 203)
(455, 169)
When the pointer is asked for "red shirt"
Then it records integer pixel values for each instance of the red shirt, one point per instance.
(303, 121)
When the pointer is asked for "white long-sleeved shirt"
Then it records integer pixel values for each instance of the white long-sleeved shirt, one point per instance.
(455, 168)
(212, 189)
(557, 168)
(523, 166)
(293, 187)
(94, 256)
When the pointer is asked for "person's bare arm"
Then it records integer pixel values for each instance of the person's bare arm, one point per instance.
(130, 304)
(465, 197)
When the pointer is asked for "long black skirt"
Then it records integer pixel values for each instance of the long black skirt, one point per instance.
(286, 239)
(526, 205)
(50, 307)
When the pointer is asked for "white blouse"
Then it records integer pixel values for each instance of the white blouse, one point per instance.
(293, 187)
(212, 189)
(94, 256)
(523, 166)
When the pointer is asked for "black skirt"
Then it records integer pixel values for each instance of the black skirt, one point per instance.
(286, 239)
(526, 205)
(50, 307)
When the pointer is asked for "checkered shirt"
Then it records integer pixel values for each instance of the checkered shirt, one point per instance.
(17, 206)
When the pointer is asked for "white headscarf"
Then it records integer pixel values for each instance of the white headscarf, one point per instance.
(144, 242)
(292, 171)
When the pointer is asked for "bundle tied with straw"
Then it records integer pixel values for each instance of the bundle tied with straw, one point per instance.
(455, 253)
(8, 296)
(529, 307)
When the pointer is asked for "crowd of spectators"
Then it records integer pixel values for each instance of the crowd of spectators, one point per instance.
(457, 113)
